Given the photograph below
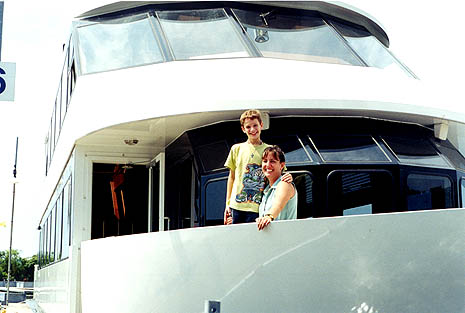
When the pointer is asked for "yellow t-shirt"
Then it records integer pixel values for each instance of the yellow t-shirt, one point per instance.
(245, 160)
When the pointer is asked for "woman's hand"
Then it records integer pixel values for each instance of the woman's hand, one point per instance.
(263, 221)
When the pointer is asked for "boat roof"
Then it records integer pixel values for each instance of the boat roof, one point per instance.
(334, 8)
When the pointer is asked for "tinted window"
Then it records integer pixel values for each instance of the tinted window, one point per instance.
(415, 151)
(426, 192)
(117, 43)
(66, 219)
(292, 147)
(215, 197)
(359, 192)
(286, 36)
(59, 227)
(201, 34)
(454, 156)
(212, 156)
(340, 148)
(372, 52)
(304, 185)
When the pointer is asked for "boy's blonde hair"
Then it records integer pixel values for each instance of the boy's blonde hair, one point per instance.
(252, 114)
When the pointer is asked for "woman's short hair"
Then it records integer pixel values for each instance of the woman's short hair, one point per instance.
(276, 152)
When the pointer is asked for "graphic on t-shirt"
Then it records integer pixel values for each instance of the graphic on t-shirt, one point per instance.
(253, 185)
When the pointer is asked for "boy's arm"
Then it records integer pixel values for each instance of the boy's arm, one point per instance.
(227, 210)
(287, 178)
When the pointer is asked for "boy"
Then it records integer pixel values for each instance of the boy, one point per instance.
(245, 181)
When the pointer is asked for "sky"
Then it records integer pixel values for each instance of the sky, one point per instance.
(425, 36)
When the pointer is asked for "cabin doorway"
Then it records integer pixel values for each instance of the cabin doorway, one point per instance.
(119, 200)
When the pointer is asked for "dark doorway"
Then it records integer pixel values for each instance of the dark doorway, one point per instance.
(119, 200)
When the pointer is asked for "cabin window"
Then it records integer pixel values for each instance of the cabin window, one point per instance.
(342, 148)
(352, 192)
(303, 182)
(453, 155)
(306, 38)
(47, 241)
(415, 151)
(293, 148)
(215, 197)
(117, 43)
(371, 51)
(53, 234)
(425, 192)
(59, 227)
(64, 90)
(213, 155)
(65, 242)
(201, 34)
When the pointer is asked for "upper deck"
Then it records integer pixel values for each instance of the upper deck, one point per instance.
(311, 57)
(159, 62)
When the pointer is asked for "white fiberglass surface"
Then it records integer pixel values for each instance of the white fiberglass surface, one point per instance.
(375, 263)
(118, 43)
(201, 34)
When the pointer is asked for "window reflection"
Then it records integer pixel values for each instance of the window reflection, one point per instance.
(215, 193)
(360, 192)
(415, 151)
(428, 192)
(117, 43)
(453, 155)
(212, 33)
(213, 155)
(369, 48)
(304, 184)
(201, 34)
(292, 147)
(306, 38)
(340, 148)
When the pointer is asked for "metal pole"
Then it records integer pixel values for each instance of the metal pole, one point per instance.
(11, 229)
(11, 241)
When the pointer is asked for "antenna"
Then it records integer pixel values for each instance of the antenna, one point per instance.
(16, 158)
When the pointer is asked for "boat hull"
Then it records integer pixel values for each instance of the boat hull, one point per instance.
(399, 262)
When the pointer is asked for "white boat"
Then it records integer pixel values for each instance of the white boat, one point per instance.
(146, 112)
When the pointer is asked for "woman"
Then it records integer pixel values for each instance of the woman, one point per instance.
(279, 200)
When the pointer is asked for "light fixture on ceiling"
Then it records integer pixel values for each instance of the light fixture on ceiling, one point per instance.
(131, 142)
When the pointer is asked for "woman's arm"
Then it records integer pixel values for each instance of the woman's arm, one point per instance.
(284, 192)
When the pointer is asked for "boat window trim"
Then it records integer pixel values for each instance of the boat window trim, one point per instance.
(461, 187)
(252, 49)
(160, 159)
(345, 42)
(160, 36)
